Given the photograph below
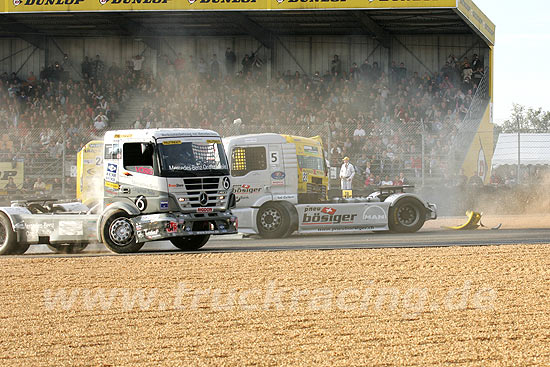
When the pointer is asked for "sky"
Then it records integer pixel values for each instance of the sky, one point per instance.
(522, 54)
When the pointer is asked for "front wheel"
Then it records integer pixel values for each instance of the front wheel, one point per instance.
(190, 243)
(407, 216)
(118, 234)
(8, 239)
(68, 248)
(276, 220)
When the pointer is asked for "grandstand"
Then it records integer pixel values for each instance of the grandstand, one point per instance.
(401, 87)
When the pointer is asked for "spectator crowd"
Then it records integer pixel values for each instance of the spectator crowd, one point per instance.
(377, 118)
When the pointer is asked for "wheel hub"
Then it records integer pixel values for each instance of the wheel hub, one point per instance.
(270, 219)
(408, 215)
(121, 231)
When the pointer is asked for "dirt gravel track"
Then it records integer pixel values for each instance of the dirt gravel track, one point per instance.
(436, 306)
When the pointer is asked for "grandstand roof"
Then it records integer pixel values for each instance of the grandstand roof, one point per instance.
(268, 18)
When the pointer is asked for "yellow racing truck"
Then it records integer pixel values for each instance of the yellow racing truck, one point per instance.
(89, 167)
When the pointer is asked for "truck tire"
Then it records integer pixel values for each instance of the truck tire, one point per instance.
(407, 216)
(190, 243)
(293, 218)
(118, 233)
(275, 220)
(8, 239)
(68, 248)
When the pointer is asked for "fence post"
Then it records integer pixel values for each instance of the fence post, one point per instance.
(519, 154)
(328, 147)
(63, 167)
(423, 156)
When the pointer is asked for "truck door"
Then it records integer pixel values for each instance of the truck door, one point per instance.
(135, 176)
(277, 169)
(251, 174)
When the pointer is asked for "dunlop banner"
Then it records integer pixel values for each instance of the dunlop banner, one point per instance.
(471, 13)
(17, 6)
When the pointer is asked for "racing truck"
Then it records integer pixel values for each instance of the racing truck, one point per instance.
(281, 186)
(156, 184)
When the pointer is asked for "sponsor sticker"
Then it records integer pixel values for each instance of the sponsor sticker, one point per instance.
(326, 215)
(278, 175)
(112, 185)
(171, 142)
(204, 210)
(119, 136)
(214, 141)
(111, 174)
(171, 227)
(164, 205)
(145, 170)
(246, 189)
(152, 233)
(278, 178)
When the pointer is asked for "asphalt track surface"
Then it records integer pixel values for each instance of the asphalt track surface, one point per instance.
(423, 238)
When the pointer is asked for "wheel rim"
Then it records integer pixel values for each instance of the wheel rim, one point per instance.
(271, 219)
(121, 231)
(408, 215)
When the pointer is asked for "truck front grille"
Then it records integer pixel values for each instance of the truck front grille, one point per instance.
(201, 184)
(211, 186)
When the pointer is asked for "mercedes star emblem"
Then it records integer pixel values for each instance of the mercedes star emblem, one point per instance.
(203, 198)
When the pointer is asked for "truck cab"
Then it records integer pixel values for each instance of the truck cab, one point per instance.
(267, 167)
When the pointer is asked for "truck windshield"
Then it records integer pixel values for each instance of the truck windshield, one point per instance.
(310, 162)
(199, 158)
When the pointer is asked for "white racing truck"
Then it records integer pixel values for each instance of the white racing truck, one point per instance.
(281, 186)
(156, 184)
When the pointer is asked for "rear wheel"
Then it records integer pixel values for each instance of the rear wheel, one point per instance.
(8, 239)
(407, 216)
(68, 248)
(276, 220)
(118, 234)
(190, 243)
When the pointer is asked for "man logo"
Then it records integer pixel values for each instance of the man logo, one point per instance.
(16, 2)
(375, 214)
(103, 2)
(191, 2)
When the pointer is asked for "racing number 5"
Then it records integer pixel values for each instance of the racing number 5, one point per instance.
(274, 157)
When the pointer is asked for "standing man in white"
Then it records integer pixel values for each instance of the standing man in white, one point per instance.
(346, 174)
